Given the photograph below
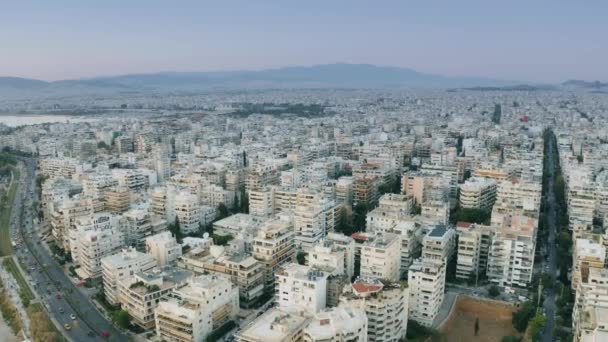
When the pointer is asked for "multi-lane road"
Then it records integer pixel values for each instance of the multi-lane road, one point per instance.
(55, 290)
(550, 207)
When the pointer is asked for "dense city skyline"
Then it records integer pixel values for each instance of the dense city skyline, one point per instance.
(536, 42)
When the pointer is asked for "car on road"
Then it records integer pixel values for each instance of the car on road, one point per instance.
(61, 310)
(73, 317)
(58, 296)
(91, 334)
(67, 326)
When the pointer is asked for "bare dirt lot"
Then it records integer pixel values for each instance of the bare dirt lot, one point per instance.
(494, 321)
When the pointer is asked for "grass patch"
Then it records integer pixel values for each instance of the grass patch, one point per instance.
(9, 311)
(42, 328)
(6, 207)
(24, 290)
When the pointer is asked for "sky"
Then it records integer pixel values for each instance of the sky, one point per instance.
(531, 40)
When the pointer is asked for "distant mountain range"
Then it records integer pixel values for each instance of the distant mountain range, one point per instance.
(338, 75)
(585, 84)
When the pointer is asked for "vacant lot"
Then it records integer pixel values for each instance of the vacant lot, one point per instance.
(494, 321)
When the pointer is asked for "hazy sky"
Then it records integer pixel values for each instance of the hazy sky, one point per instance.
(536, 40)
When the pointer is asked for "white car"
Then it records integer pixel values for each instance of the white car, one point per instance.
(73, 317)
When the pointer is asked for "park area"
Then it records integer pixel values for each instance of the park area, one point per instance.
(494, 321)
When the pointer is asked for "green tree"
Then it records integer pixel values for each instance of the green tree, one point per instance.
(493, 291)
(476, 326)
(360, 211)
(222, 211)
(176, 230)
(301, 258)
(522, 316)
(536, 326)
(122, 318)
(511, 339)
(222, 240)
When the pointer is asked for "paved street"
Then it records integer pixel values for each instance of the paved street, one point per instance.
(549, 303)
(55, 289)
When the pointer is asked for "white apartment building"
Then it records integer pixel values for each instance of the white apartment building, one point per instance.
(324, 257)
(138, 226)
(188, 212)
(92, 246)
(275, 325)
(381, 257)
(63, 216)
(474, 242)
(411, 234)
(312, 222)
(426, 281)
(125, 263)
(240, 268)
(340, 324)
(344, 191)
(193, 311)
(274, 246)
(236, 224)
(385, 304)
(586, 254)
(516, 194)
(511, 255)
(261, 202)
(346, 244)
(162, 203)
(140, 293)
(392, 208)
(164, 248)
(478, 193)
(301, 288)
(213, 195)
(439, 244)
(591, 294)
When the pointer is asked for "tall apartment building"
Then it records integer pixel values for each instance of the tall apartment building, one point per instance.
(426, 281)
(162, 203)
(365, 191)
(474, 242)
(478, 193)
(138, 226)
(274, 246)
(386, 305)
(188, 212)
(275, 325)
(261, 202)
(392, 208)
(125, 263)
(381, 257)
(193, 311)
(511, 256)
(439, 244)
(241, 269)
(117, 200)
(164, 248)
(341, 324)
(520, 195)
(162, 162)
(345, 244)
(63, 216)
(140, 293)
(301, 287)
(425, 186)
(591, 300)
(344, 191)
(92, 246)
(411, 235)
(586, 254)
(312, 221)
